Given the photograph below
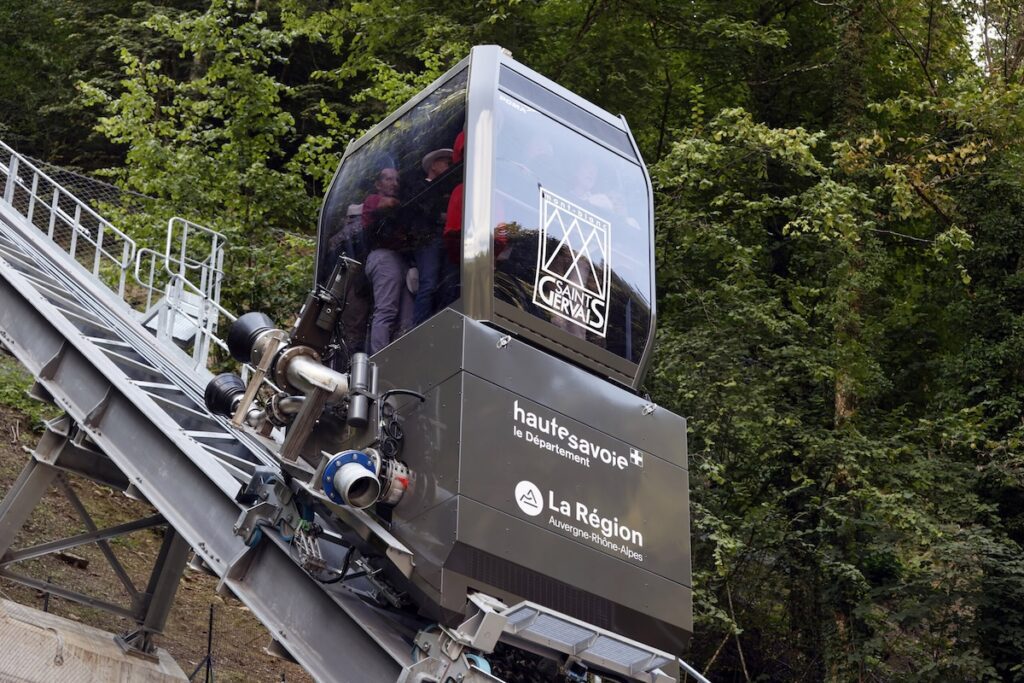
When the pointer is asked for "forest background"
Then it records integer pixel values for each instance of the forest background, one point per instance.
(839, 193)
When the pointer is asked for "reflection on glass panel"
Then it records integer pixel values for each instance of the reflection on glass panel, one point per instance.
(571, 231)
(387, 208)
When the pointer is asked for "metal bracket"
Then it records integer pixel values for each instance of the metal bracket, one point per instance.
(49, 368)
(441, 660)
(485, 625)
(272, 503)
(301, 428)
(266, 359)
(434, 670)
(448, 654)
(96, 414)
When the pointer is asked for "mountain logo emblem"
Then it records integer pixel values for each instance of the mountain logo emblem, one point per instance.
(529, 498)
(573, 264)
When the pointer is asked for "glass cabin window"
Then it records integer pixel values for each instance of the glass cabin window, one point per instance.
(571, 230)
(387, 209)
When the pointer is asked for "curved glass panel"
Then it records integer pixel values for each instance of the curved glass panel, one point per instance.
(387, 209)
(571, 231)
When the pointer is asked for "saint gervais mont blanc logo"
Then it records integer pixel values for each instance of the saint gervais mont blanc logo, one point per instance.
(529, 498)
(573, 264)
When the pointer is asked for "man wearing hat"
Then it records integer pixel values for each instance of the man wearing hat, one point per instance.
(423, 279)
(437, 162)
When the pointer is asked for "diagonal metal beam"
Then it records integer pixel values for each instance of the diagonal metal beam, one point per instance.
(67, 594)
(164, 581)
(105, 548)
(19, 502)
(81, 539)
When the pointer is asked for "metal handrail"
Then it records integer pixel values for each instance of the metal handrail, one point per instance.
(175, 279)
(39, 193)
(181, 272)
(94, 242)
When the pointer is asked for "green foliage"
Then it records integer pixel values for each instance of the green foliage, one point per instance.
(15, 382)
(211, 145)
(837, 321)
(813, 296)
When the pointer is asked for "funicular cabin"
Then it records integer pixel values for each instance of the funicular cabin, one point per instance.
(513, 201)
(504, 227)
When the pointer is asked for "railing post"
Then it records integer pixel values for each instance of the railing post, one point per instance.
(152, 276)
(32, 197)
(54, 205)
(73, 247)
(218, 275)
(12, 179)
(199, 344)
(183, 267)
(125, 265)
(99, 249)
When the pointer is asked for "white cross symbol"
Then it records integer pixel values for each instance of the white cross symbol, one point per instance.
(637, 457)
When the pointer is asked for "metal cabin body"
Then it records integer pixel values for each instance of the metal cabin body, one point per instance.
(538, 473)
(536, 480)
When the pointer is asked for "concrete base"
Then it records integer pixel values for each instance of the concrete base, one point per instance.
(39, 647)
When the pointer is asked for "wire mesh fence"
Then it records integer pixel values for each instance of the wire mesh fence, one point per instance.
(98, 194)
(71, 223)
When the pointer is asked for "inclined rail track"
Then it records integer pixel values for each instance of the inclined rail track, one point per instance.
(141, 404)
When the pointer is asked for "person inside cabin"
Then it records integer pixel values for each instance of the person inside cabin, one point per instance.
(453, 216)
(428, 217)
(355, 314)
(452, 233)
(386, 263)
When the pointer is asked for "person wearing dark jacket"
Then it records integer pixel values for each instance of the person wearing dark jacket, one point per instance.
(428, 256)
(386, 265)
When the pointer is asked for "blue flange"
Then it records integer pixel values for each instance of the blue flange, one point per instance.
(335, 464)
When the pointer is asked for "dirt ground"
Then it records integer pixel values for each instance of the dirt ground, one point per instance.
(238, 638)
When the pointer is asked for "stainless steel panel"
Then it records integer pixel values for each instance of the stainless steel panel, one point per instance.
(574, 392)
(433, 533)
(622, 597)
(477, 245)
(432, 449)
(592, 490)
(425, 357)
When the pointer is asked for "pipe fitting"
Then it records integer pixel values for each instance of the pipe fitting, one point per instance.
(223, 393)
(244, 332)
(359, 380)
(304, 372)
(350, 479)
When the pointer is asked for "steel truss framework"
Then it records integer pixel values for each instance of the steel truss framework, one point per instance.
(65, 450)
